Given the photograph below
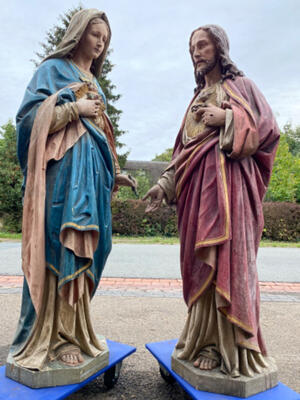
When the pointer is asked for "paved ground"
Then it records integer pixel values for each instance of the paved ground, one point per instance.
(138, 320)
(145, 309)
(147, 287)
(162, 261)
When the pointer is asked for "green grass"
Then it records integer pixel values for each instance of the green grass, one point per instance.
(145, 239)
(175, 240)
(10, 236)
(269, 243)
(153, 240)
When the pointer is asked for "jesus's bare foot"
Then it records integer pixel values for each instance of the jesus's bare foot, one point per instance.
(205, 363)
(70, 355)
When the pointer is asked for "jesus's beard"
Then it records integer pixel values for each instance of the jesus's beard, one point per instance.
(205, 70)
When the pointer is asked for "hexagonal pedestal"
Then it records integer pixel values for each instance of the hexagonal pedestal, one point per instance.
(55, 373)
(216, 382)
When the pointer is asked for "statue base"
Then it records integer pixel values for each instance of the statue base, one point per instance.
(55, 373)
(216, 382)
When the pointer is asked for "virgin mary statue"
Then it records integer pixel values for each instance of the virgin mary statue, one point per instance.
(67, 153)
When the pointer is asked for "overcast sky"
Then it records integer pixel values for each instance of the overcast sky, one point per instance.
(153, 71)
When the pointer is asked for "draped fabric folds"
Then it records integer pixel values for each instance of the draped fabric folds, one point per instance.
(68, 181)
(59, 325)
(219, 205)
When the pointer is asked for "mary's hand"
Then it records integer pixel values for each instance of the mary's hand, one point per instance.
(156, 195)
(126, 180)
(88, 108)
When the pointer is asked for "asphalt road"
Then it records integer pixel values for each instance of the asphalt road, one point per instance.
(162, 261)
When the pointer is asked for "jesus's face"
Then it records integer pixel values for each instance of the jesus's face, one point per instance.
(204, 53)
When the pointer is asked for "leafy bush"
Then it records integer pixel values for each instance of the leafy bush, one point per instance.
(293, 138)
(129, 218)
(282, 221)
(285, 180)
(10, 180)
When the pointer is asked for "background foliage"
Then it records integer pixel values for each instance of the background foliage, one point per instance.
(129, 218)
(165, 156)
(293, 138)
(285, 180)
(10, 180)
(282, 220)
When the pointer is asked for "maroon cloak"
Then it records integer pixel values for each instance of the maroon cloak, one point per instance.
(219, 204)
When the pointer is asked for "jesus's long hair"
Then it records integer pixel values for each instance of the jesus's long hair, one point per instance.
(219, 37)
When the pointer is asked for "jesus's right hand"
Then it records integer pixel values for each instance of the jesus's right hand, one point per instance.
(156, 195)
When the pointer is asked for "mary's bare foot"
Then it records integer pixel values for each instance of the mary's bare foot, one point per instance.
(72, 359)
(70, 355)
(205, 363)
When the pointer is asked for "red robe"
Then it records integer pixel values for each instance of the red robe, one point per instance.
(219, 203)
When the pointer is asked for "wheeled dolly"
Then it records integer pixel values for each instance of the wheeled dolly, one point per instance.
(11, 390)
(162, 351)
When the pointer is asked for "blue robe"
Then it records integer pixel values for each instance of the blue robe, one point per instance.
(78, 186)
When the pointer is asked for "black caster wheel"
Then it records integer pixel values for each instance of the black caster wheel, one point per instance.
(111, 376)
(184, 394)
(166, 375)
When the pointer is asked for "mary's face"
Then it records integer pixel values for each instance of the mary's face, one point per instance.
(93, 40)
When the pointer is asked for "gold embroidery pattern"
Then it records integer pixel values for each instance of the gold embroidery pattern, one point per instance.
(72, 276)
(249, 346)
(89, 272)
(201, 290)
(236, 321)
(223, 293)
(239, 99)
(53, 268)
(80, 227)
(179, 185)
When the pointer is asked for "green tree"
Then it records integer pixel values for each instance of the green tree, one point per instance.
(10, 179)
(53, 38)
(285, 180)
(165, 156)
(293, 138)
